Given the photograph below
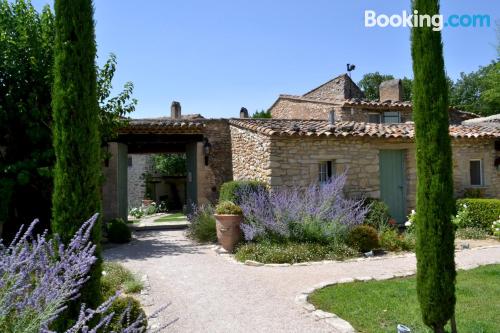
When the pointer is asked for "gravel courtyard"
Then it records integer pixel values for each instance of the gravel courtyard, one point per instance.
(208, 293)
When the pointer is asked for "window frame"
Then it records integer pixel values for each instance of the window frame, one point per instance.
(481, 173)
(377, 114)
(392, 116)
(326, 170)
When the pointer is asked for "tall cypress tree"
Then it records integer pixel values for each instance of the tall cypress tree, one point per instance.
(76, 195)
(435, 203)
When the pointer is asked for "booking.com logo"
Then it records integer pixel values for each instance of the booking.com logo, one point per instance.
(416, 20)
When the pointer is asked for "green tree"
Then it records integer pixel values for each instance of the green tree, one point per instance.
(170, 164)
(370, 84)
(27, 157)
(468, 92)
(435, 205)
(75, 129)
(262, 114)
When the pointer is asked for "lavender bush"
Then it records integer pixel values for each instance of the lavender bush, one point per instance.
(319, 212)
(40, 275)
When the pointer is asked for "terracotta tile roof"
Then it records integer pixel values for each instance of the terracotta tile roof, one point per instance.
(298, 127)
(366, 104)
(162, 125)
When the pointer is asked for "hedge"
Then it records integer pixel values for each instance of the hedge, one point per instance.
(229, 190)
(483, 212)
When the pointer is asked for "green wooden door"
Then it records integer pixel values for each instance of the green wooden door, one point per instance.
(392, 182)
(191, 181)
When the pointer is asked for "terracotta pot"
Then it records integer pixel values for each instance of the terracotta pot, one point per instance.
(146, 202)
(228, 230)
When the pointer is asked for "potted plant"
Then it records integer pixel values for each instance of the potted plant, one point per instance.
(228, 217)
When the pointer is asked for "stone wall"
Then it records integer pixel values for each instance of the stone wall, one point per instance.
(296, 109)
(219, 169)
(484, 150)
(287, 161)
(338, 89)
(141, 163)
(251, 155)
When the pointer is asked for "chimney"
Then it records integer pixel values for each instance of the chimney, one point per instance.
(391, 90)
(243, 113)
(175, 110)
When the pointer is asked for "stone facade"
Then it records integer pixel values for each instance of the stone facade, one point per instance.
(293, 108)
(290, 161)
(138, 165)
(338, 89)
(219, 169)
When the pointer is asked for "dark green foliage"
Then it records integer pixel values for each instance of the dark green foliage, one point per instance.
(126, 309)
(229, 190)
(370, 84)
(391, 240)
(26, 39)
(378, 216)
(435, 203)
(75, 129)
(363, 238)
(170, 164)
(291, 252)
(228, 208)
(482, 212)
(118, 231)
(202, 224)
(314, 230)
(262, 114)
(26, 73)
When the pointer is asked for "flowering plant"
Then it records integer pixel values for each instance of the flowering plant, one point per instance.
(318, 208)
(495, 227)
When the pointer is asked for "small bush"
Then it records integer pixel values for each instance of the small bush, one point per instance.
(116, 277)
(390, 240)
(364, 238)
(228, 208)
(290, 252)
(202, 224)
(150, 209)
(471, 233)
(313, 230)
(127, 310)
(378, 216)
(482, 212)
(230, 191)
(118, 231)
(136, 212)
(495, 228)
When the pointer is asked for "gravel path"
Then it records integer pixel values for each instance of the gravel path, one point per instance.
(211, 294)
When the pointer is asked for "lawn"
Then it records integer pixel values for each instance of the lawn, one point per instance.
(177, 217)
(378, 306)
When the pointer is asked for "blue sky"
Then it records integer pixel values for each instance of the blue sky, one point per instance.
(217, 56)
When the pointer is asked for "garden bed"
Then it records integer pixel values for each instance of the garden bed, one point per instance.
(378, 306)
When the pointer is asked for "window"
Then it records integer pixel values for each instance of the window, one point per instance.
(374, 118)
(326, 171)
(391, 117)
(129, 161)
(476, 172)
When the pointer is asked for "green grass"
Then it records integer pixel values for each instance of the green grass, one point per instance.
(117, 277)
(378, 306)
(177, 217)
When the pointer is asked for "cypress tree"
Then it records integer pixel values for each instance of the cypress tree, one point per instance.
(435, 203)
(76, 139)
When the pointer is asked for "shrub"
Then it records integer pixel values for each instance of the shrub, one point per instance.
(116, 277)
(228, 208)
(318, 231)
(150, 209)
(483, 212)
(495, 228)
(202, 224)
(232, 191)
(136, 212)
(275, 213)
(364, 238)
(390, 240)
(118, 231)
(291, 252)
(378, 214)
(128, 309)
(471, 233)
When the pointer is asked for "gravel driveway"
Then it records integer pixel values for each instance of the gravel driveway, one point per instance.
(211, 294)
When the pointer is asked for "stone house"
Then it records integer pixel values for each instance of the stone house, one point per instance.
(326, 131)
